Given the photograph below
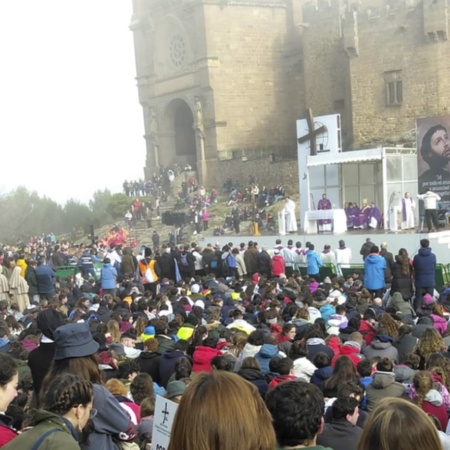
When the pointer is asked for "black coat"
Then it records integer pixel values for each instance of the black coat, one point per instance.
(149, 363)
(256, 378)
(166, 266)
(400, 282)
(263, 263)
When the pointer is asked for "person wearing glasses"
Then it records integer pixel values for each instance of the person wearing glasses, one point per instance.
(66, 409)
(75, 353)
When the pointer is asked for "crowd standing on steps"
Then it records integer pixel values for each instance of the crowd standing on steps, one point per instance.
(276, 338)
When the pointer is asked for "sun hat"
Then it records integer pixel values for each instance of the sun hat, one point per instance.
(74, 340)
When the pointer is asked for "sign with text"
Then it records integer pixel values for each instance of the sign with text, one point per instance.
(433, 156)
(162, 423)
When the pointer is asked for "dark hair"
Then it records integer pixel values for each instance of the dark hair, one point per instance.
(142, 387)
(298, 350)
(364, 368)
(321, 359)
(127, 368)
(374, 249)
(425, 243)
(281, 365)
(385, 365)
(8, 368)
(221, 363)
(425, 148)
(349, 388)
(297, 410)
(65, 392)
(183, 368)
(256, 338)
(343, 406)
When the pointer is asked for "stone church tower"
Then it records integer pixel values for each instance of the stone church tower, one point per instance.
(222, 82)
(215, 81)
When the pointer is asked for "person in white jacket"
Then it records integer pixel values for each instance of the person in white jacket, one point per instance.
(430, 200)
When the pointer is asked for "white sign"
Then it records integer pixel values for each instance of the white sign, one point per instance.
(162, 423)
(327, 141)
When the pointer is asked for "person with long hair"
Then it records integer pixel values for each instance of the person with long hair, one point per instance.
(343, 371)
(427, 397)
(402, 280)
(389, 325)
(66, 408)
(75, 354)
(430, 342)
(221, 411)
(397, 424)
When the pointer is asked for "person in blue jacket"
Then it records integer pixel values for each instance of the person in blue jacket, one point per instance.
(45, 277)
(313, 262)
(374, 266)
(108, 278)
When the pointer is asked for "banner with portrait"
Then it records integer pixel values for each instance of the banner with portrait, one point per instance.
(433, 154)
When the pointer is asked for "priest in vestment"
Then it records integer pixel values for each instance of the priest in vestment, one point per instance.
(324, 203)
(408, 206)
(291, 220)
(374, 217)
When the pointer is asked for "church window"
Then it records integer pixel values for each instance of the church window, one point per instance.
(177, 51)
(394, 88)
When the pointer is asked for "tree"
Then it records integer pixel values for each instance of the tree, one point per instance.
(118, 205)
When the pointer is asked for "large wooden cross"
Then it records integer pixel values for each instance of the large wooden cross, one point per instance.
(312, 134)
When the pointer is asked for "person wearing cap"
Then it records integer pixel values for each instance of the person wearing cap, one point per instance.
(75, 353)
(175, 390)
(39, 359)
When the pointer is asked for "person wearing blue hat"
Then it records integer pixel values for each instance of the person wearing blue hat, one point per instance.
(75, 354)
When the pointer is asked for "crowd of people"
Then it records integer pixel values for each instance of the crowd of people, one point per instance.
(256, 355)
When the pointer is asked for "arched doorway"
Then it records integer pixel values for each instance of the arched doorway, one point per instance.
(181, 143)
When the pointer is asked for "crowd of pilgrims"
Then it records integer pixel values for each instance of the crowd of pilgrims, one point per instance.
(81, 366)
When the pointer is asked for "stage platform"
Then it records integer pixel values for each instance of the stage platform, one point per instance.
(354, 239)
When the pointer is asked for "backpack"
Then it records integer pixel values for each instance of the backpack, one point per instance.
(214, 264)
(183, 259)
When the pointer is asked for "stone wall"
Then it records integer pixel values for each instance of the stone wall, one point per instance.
(372, 43)
(266, 173)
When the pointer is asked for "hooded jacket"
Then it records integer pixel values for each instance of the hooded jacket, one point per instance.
(256, 378)
(440, 323)
(304, 369)
(424, 264)
(267, 352)
(434, 405)
(401, 305)
(316, 345)
(321, 375)
(149, 363)
(374, 267)
(167, 365)
(351, 349)
(202, 358)
(383, 385)
(381, 346)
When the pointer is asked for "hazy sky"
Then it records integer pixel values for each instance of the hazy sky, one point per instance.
(70, 118)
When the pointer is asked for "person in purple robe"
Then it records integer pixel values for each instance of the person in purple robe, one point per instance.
(374, 216)
(360, 219)
(324, 203)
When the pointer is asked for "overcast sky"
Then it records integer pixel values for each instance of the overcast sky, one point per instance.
(70, 118)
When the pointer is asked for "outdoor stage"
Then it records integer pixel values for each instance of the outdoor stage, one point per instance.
(354, 239)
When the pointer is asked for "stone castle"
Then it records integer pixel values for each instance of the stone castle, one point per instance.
(222, 82)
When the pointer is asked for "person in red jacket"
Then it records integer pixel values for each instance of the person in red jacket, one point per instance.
(203, 354)
(367, 327)
(283, 368)
(351, 348)
(9, 378)
(277, 263)
(428, 398)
